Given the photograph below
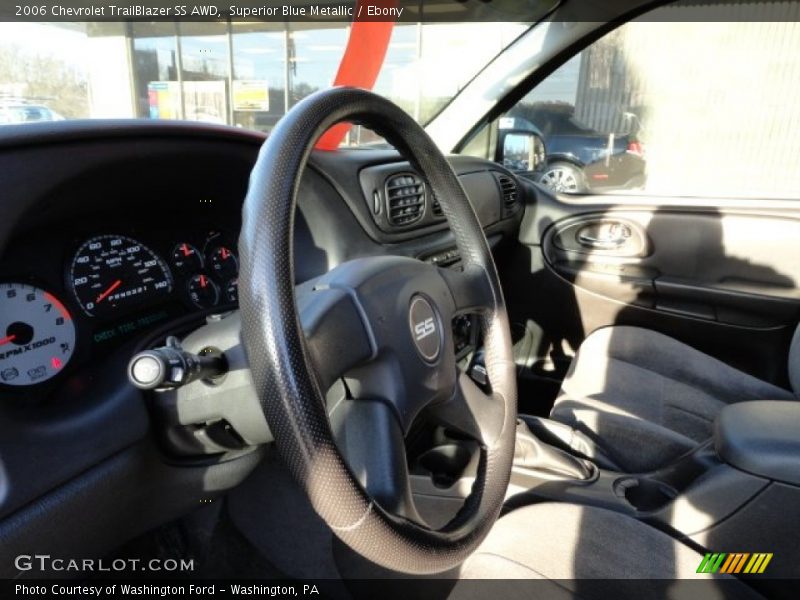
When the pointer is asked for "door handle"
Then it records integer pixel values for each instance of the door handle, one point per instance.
(609, 235)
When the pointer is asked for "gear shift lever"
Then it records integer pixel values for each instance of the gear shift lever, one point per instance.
(532, 453)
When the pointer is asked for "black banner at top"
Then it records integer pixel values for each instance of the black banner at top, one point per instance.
(277, 10)
(403, 11)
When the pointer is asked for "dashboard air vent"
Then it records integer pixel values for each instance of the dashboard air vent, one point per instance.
(405, 196)
(509, 188)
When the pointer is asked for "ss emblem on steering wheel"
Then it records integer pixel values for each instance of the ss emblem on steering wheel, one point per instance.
(424, 328)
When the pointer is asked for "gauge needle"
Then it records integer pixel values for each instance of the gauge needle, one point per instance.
(110, 289)
(203, 282)
(7, 339)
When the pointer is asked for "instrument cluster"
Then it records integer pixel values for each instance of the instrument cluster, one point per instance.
(114, 285)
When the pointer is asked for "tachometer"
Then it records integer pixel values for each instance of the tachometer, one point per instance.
(111, 273)
(37, 335)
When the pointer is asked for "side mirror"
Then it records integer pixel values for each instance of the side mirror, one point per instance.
(521, 151)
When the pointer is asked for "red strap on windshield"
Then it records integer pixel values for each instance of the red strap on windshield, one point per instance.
(361, 63)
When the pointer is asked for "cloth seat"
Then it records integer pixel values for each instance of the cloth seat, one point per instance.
(568, 544)
(644, 399)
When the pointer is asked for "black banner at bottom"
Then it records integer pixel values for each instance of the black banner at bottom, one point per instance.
(420, 588)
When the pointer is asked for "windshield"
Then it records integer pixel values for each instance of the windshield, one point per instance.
(246, 74)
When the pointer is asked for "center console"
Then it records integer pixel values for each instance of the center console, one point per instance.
(738, 492)
(762, 438)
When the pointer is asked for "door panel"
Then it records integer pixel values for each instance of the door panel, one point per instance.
(737, 269)
(723, 279)
(701, 250)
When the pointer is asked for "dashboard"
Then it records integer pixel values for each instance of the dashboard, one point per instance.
(127, 240)
(73, 289)
(94, 286)
(115, 235)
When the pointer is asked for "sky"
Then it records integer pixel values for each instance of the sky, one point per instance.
(45, 39)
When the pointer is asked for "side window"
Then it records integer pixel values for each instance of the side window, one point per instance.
(699, 109)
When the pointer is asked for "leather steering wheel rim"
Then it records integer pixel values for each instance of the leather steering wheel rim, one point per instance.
(284, 373)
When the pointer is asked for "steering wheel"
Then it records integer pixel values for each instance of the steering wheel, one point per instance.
(384, 322)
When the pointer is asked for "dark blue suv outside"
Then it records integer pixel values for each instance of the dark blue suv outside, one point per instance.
(581, 159)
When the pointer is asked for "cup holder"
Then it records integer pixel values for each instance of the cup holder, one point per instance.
(644, 494)
(446, 463)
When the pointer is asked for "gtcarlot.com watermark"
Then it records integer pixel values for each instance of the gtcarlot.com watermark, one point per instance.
(47, 563)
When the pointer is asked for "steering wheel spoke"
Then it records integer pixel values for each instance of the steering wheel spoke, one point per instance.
(371, 441)
(336, 337)
(470, 290)
(472, 412)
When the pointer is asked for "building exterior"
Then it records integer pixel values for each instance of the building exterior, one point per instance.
(250, 73)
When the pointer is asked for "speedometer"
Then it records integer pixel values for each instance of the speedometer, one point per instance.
(37, 335)
(113, 273)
